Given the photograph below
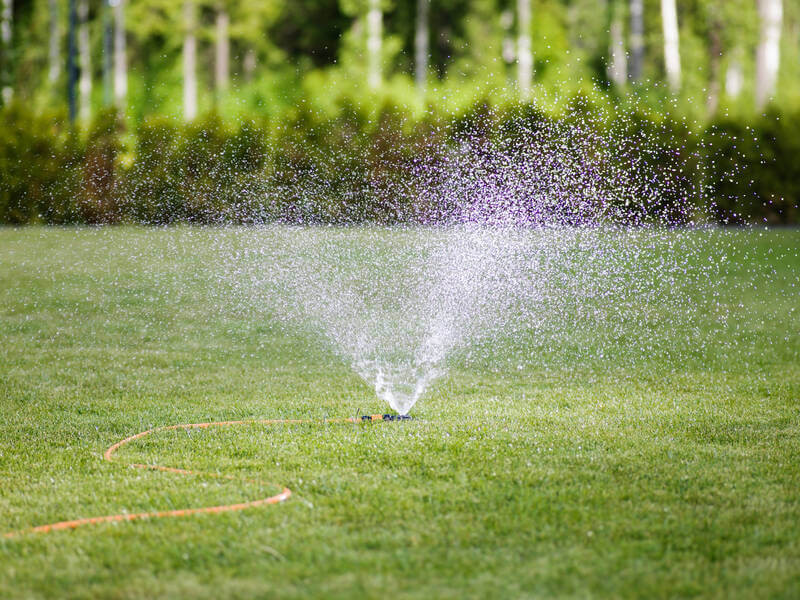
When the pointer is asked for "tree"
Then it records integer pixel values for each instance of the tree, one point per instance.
(734, 78)
(189, 60)
(729, 26)
(524, 53)
(637, 39)
(120, 59)
(54, 53)
(618, 60)
(374, 43)
(672, 57)
(444, 26)
(84, 52)
(108, 53)
(6, 25)
(72, 64)
(312, 31)
(158, 35)
(222, 49)
(715, 54)
(251, 31)
(768, 53)
(421, 44)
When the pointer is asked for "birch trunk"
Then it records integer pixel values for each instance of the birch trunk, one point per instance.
(768, 53)
(249, 65)
(374, 39)
(637, 39)
(72, 63)
(524, 54)
(6, 22)
(54, 51)
(734, 78)
(108, 54)
(189, 62)
(715, 49)
(120, 60)
(618, 59)
(222, 51)
(421, 45)
(672, 56)
(84, 52)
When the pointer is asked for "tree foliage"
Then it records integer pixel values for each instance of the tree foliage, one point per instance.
(299, 67)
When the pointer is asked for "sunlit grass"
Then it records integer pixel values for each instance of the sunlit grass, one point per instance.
(655, 479)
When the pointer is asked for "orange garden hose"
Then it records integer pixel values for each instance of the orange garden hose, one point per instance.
(109, 456)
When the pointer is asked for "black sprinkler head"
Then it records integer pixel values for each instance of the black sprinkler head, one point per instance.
(388, 417)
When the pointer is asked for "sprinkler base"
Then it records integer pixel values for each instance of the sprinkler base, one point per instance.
(386, 417)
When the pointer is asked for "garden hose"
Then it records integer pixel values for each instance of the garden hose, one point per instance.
(108, 455)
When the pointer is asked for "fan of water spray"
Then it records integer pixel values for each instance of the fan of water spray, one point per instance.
(546, 231)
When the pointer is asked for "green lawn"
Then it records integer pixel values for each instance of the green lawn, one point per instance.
(670, 475)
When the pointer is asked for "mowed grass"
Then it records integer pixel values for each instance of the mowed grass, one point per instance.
(676, 475)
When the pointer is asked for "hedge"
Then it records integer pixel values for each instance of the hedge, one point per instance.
(386, 166)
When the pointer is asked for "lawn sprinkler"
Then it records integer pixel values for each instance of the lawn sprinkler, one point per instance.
(386, 417)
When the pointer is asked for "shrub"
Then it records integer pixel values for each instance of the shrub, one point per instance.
(755, 170)
(97, 195)
(39, 168)
(380, 164)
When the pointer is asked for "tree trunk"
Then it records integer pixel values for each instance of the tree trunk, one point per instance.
(637, 39)
(715, 50)
(72, 63)
(618, 59)
(524, 54)
(189, 61)
(768, 53)
(672, 56)
(222, 51)
(54, 52)
(6, 22)
(249, 65)
(108, 54)
(509, 47)
(84, 52)
(734, 79)
(421, 45)
(374, 39)
(120, 62)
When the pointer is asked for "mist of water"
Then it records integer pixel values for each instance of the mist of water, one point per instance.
(544, 233)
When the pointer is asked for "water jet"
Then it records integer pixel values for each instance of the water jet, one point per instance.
(558, 234)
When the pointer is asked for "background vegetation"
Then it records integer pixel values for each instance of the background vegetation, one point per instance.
(157, 111)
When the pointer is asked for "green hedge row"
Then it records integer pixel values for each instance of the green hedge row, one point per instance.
(755, 169)
(358, 167)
